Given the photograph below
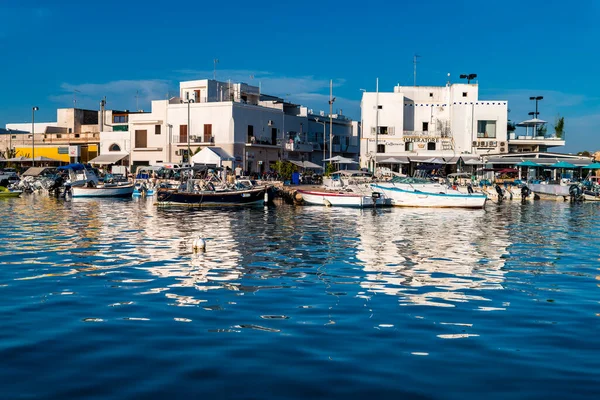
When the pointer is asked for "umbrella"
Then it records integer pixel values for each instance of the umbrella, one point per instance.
(592, 166)
(334, 159)
(347, 161)
(563, 164)
(19, 159)
(473, 162)
(508, 171)
(434, 161)
(392, 160)
(528, 163)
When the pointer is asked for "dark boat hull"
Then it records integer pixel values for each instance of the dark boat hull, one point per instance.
(205, 199)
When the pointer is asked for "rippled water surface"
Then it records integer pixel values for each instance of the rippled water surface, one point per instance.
(106, 299)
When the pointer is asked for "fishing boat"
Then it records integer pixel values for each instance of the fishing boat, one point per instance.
(116, 190)
(4, 192)
(414, 192)
(204, 198)
(343, 199)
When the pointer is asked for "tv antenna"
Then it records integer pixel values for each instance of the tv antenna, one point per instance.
(415, 61)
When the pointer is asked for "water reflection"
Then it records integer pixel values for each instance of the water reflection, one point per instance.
(432, 258)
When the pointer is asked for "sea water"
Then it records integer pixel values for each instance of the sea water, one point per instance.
(107, 299)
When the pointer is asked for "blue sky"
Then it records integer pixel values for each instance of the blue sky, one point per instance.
(110, 48)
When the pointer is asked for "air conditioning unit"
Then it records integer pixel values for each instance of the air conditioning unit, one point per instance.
(502, 144)
(502, 149)
(270, 122)
(474, 143)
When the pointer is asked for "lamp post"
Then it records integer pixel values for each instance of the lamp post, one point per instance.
(331, 100)
(33, 110)
(188, 101)
(536, 99)
(324, 133)
(170, 139)
(361, 135)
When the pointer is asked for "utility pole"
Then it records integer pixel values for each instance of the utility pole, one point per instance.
(415, 61)
(376, 123)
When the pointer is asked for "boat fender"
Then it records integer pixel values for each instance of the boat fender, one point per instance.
(266, 200)
(199, 245)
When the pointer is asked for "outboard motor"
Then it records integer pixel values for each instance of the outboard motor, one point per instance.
(58, 183)
(525, 192)
(575, 193)
(470, 188)
(500, 193)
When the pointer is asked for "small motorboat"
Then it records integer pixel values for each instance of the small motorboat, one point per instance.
(342, 199)
(5, 192)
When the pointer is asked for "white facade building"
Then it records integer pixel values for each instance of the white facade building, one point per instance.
(421, 122)
(255, 129)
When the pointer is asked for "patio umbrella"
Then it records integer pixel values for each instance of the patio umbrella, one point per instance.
(19, 159)
(528, 163)
(563, 164)
(334, 159)
(592, 166)
(392, 160)
(434, 161)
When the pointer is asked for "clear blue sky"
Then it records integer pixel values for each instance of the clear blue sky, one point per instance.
(114, 48)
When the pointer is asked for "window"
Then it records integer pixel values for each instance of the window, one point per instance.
(486, 129)
(70, 130)
(119, 119)
(273, 136)
(381, 148)
(430, 94)
(425, 126)
(141, 139)
(431, 146)
(183, 133)
(77, 135)
(379, 107)
(114, 147)
(157, 129)
(383, 130)
(207, 133)
(408, 146)
(464, 94)
(58, 136)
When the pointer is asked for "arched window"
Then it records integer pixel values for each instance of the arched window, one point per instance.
(114, 147)
(431, 146)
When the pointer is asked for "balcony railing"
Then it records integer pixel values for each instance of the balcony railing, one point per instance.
(299, 146)
(427, 134)
(513, 137)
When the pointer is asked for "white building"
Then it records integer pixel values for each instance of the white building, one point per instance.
(421, 122)
(255, 129)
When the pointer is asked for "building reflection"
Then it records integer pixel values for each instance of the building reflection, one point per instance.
(435, 258)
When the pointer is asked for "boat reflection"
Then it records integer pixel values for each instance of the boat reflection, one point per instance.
(432, 258)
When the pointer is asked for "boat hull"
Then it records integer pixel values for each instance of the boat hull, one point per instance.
(589, 195)
(8, 194)
(405, 197)
(341, 199)
(103, 191)
(559, 192)
(206, 199)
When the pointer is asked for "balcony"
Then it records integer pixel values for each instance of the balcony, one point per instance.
(426, 134)
(194, 139)
(536, 140)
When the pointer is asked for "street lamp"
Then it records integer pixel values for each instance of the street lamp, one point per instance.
(468, 77)
(536, 99)
(331, 100)
(188, 101)
(33, 110)
(324, 133)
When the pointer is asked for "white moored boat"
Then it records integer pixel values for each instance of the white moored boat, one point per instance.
(420, 193)
(109, 190)
(342, 199)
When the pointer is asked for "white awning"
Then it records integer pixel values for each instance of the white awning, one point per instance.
(105, 159)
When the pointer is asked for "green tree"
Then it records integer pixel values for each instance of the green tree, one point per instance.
(329, 169)
(285, 169)
(559, 127)
(8, 153)
(541, 130)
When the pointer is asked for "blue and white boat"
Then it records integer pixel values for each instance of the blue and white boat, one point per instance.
(413, 192)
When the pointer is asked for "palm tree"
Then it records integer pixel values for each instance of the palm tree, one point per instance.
(559, 127)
